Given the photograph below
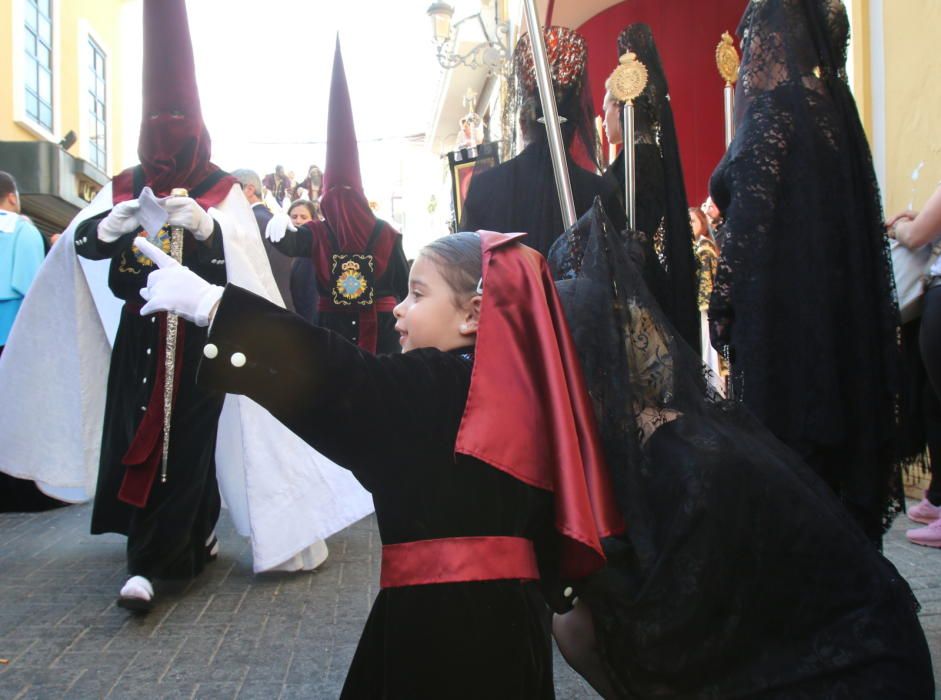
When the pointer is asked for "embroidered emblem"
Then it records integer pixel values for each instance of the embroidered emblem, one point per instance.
(162, 241)
(352, 279)
(351, 283)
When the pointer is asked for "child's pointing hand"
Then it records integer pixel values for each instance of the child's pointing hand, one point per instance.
(177, 289)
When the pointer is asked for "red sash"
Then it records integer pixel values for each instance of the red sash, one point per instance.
(458, 560)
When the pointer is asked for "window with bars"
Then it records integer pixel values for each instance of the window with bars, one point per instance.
(98, 115)
(38, 30)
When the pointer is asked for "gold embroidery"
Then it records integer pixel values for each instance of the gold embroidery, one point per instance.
(351, 284)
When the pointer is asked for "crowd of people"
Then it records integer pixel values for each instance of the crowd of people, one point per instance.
(674, 446)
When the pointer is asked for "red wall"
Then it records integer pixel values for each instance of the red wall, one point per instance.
(686, 32)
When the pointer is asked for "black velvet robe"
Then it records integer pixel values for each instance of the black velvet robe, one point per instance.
(167, 538)
(392, 283)
(520, 195)
(393, 420)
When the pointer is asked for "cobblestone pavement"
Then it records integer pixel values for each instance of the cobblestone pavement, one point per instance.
(231, 634)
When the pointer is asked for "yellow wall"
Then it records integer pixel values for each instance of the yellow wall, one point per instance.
(860, 47)
(8, 130)
(912, 31)
(72, 21)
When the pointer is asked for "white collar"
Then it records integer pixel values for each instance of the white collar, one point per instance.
(8, 221)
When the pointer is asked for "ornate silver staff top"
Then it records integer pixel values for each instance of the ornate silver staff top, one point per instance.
(625, 84)
(176, 252)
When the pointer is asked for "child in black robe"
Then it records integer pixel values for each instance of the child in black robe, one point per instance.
(477, 444)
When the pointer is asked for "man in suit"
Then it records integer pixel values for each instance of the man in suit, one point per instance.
(280, 263)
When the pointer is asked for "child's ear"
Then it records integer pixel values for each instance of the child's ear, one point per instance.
(472, 316)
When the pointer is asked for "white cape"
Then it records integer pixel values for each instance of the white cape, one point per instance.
(53, 377)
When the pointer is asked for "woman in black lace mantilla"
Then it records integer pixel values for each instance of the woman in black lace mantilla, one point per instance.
(804, 298)
(662, 224)
(738, 574)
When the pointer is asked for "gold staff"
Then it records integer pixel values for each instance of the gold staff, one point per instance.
(176, 252)
(727, 62)
(625, 84)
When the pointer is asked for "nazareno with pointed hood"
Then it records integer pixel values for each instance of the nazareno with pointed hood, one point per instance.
(167, 524)
(104, 397)
(360, 266)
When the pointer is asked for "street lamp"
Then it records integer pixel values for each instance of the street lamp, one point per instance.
(440, 14)
(494, 53)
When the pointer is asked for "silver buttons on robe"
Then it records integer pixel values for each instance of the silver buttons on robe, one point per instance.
(210, 351)
(238, 359)
(567, 592)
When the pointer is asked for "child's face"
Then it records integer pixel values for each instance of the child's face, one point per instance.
(429, 316)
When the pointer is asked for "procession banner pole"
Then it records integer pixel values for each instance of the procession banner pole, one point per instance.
(551, 115)
(625, 84)
(176, 252)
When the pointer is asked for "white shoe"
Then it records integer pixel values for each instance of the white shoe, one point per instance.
(212, 546)
(315, 555)
(137, 595)
(307, 560)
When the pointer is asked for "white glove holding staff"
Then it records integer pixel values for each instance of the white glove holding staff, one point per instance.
(121, 220)
(277, 226)
(177, 289)
(185, 212)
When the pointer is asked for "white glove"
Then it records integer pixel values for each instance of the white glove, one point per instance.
(176, 288)
(120, 221)
(277, 226)
(185, 212)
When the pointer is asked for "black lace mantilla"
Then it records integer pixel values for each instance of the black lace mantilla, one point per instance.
(739, 574)
(804, 298)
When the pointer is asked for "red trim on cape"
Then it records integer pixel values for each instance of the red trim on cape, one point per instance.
(528, 412)
(458, 560)
(122, 188)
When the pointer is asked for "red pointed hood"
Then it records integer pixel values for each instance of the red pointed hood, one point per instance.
(343, 203)
(342, 168)
(528, 412)
(174, 146)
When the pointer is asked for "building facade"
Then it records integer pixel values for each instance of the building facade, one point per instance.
(892, 67)
(60, 115)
